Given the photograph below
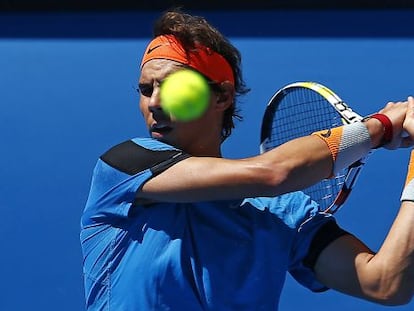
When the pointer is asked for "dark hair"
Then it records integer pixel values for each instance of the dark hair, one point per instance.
(189, 30)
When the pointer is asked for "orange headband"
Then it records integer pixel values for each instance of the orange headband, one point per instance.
(203, 59)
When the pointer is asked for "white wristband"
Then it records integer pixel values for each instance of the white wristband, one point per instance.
(408, 192)
(355, 144)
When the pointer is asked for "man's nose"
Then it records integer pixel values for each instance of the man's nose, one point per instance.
(155, 101)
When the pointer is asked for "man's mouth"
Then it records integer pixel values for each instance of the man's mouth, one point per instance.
(161, 129)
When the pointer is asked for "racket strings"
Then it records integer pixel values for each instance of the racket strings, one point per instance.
(299, 113)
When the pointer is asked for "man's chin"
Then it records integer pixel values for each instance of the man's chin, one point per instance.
(159, 136)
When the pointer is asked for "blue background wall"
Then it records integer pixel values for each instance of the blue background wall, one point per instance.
(67, 93)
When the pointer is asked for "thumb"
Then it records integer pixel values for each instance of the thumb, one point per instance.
(408, 124)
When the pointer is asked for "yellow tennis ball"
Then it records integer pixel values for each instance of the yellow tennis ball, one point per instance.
(185, 95)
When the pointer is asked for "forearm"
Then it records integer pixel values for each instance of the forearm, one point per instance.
(296, 164)
(390, 273)
(387, 277)
(392, 268)
(306, 161)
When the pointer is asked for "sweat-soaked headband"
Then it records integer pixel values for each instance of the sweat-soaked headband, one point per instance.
(203, 59)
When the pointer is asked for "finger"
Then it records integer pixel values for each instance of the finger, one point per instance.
(408, 124)
(410, 100)
(407, 142)
(408, 133)
(410, 108)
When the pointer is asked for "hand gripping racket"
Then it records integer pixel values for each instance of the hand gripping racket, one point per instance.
(299, 109)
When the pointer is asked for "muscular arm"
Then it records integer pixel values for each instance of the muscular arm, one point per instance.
(387, 277)
(292, 166)
(298, 163)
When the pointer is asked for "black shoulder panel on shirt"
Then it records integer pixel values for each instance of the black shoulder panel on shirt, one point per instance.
(132, 158)
(326, 234)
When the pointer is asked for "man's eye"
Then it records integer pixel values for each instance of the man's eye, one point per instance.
(145, 90)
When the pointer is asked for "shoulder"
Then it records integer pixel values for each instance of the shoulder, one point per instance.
(138, 154)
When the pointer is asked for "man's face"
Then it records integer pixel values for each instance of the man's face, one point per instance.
(188, 136)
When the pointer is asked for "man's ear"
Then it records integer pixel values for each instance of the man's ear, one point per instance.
(225, 98)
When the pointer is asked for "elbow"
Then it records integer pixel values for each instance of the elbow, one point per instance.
(399, 299)
(389, 288)
(395, 301)
(282, 172)
(284, 175)
(396, 297)
(275, 181)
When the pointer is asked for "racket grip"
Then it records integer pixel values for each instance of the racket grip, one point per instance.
(408, 192)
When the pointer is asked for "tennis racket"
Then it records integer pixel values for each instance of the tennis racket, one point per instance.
(299, 109)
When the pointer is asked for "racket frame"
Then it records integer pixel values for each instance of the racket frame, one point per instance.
(348, 116)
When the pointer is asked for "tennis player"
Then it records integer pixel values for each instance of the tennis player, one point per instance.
(171, 225)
